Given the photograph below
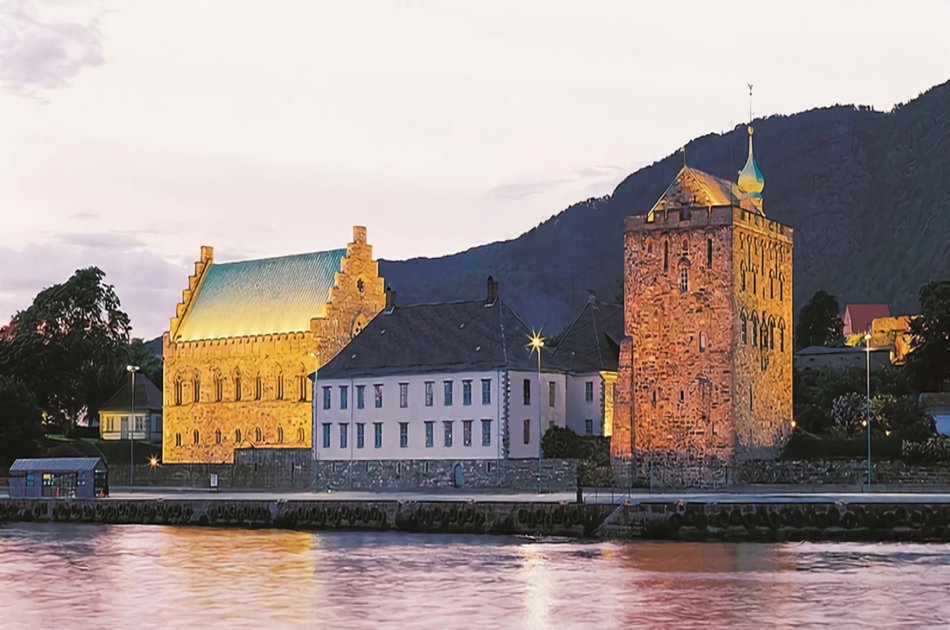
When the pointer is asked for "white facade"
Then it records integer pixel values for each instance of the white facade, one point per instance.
(590, 403)
(447, 415)
(114, 425)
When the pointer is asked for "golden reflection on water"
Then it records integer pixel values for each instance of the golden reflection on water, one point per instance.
(71, 575)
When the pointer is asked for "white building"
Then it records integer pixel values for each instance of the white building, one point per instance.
(588, 352)
(146, 418)
(445, 381)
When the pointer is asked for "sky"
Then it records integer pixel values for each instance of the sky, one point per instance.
(132, 133)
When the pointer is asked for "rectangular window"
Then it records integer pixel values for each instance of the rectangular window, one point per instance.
(326, 435)
(654, 398)
(486, 432)
(666, 256)
(378, 435)
(30, 479)
(589, 426)
(486, 391)
(589, 391)
(430, 433)
(684, 280)
(527, 431)
(447, 386)
(429, 386)
(466, 392)
(360, 434)
(552, 394)
(709, 253)
(466, 432)
(344, 396)
(360, 396)
(378, 395)
(404, 395)
(526, 386)
(326, 397)
(447, 431)
(344, 434)
(403, 434)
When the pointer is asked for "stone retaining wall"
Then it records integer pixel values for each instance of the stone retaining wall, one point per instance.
(840, 472)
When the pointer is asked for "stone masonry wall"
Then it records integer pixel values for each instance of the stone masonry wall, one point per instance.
(273, 409)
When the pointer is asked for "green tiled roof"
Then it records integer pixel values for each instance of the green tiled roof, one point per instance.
(258, 297)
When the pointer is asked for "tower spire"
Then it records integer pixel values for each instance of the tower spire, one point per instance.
(751, 182)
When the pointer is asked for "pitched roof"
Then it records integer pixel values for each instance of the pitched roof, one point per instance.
(442, 337)
(56, 464)
(592, 342)
(148, 397)
(695, 187)
(862, 315)
(258, 297)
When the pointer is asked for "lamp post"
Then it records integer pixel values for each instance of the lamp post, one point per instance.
(132, 369)
(537, 342)
(867, 345)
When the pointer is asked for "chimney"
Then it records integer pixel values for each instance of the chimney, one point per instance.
(359, 234)
(492, 296)
(390, 300)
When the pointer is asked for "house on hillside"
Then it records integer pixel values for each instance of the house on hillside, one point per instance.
(588, 352)
(146, 413)
(857, 318)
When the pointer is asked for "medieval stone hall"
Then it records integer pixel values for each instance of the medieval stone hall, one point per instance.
(244, 338)
(705, 375)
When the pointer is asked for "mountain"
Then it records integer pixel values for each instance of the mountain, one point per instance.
(867, 193)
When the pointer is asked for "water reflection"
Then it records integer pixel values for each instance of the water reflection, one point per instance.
(105, 576)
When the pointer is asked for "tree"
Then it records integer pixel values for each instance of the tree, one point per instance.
(928, 363)
(69, 348)
(143, 356)
(20, 421)
(819, 323)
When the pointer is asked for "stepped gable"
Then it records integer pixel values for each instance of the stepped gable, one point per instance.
(257, 297)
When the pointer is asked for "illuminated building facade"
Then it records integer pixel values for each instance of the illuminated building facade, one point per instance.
(705, 374)
(243, 340)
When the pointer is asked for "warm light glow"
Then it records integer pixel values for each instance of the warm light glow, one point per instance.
(864, 423)
(887, 432)
(794, 424)
(536, 341)
(153, 462)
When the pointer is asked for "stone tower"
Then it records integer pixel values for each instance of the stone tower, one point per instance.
(705, 375)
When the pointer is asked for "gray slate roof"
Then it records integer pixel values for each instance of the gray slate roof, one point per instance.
(57, 464)
(148, 397)
(442, 337)
(592, 342)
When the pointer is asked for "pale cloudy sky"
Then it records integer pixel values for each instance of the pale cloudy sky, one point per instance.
(133, 132)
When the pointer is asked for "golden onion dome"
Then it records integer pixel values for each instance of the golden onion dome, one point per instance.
(751, 181)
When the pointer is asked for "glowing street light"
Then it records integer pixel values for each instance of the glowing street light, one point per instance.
(153, 462)
(536, 343)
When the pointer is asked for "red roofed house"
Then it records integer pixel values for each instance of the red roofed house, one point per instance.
(857, 317)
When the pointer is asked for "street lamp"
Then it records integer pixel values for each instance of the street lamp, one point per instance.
(537, 342)
(867, 344)
(132, 369)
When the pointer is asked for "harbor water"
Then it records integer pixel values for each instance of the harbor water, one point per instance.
(135, 576)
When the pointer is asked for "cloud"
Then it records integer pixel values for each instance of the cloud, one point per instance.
(39, 52)
(598, 180)
(147, 283)
(84, 216)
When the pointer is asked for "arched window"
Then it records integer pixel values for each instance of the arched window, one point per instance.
(196, 385)
(742, 272)
(684, 280)
(258, 435)
(745, 328)
(258, 388)
(771, 333)
(280, 385)
(300, 436)
(280, 435)
(781, 335)
(302, 385)
(771, 286)
(709, 253)
(666, 255)
(755, 329)
(237, 385)
(217, 436)
(781, 288)
(754, 280)
(237, 437)
(218, 387)
(195, 436)
(685, 245)
(178, 387)
(702, 342)
(178, 439)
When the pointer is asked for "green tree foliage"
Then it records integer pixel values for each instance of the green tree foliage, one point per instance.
(20, 421)
(69, 347)
(151, 364)
(928, 364)
(819, 323)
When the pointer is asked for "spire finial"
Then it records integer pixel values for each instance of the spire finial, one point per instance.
(683, 151)
(750, 102)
